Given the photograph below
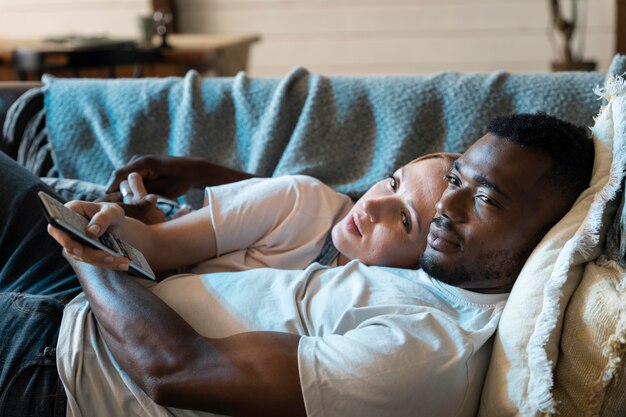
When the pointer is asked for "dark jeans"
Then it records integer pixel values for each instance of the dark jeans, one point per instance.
(35, 284)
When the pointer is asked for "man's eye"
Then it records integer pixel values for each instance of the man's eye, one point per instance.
(486, 199)
(393, 183)
(406, 223)
(453, 180)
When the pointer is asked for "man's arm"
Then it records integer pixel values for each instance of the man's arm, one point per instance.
(253, 373)
(171, 176)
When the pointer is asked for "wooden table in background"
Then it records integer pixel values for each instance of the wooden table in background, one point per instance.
(224, 55)
(209, 54)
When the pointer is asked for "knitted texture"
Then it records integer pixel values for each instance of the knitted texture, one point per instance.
(347, 131)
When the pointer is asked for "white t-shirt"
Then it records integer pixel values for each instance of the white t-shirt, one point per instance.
(375, 341)
(277, 222)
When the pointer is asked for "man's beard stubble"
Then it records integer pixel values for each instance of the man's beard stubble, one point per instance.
(494, 267)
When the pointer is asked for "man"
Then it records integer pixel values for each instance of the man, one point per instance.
(357, 340)
(503, 197)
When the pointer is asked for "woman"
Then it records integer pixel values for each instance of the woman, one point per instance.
(284, 222)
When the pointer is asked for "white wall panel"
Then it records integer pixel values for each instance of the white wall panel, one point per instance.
(399, 36)
(345, 36)
(34, 18)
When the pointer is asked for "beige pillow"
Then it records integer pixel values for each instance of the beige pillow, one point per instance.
(519, 381)
(593, 347)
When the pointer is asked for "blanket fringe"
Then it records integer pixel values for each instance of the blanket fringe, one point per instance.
(583, 243)
(613, 87)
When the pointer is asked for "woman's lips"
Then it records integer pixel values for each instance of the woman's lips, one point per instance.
(352, 225)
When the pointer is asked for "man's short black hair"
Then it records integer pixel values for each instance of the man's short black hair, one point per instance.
(569, 146)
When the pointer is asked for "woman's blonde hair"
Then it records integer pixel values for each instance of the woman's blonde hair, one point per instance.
(447, 158)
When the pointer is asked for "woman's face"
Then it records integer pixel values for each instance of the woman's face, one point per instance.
(389, 224)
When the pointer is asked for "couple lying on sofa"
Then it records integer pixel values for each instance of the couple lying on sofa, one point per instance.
(362, 339)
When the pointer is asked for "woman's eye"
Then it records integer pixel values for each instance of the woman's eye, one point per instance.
(405, 222)
(453, 180)
(393, 183)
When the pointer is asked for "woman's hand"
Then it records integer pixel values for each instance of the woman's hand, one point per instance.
(104, 217)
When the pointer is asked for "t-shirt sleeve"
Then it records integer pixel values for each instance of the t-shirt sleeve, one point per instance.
(412, 365)
(265, 211)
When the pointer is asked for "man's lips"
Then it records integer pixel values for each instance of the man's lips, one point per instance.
(353, 226)
(442, 237)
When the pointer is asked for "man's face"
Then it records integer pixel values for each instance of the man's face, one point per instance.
(493, 213)
(389, 224)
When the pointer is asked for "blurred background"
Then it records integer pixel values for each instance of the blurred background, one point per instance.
(333, 37)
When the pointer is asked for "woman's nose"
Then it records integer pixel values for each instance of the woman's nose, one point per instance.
(376, 208)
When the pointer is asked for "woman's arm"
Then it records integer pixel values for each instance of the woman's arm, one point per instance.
(180, 242)
(239, 215)
(184, 241)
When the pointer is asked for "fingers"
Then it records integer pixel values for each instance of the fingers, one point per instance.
(102, 216)
(72, 247)
(114, 197)
(116, 178)
(143, 165)
(83, 253)
(108, 218)
(163, 175)
(145, 210)
(132, 189)
(125, 191)
(86, 209)
(137, 188)
(152, 199)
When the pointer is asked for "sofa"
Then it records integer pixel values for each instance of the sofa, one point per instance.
(561, 343)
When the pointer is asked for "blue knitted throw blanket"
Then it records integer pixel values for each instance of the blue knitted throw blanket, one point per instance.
(347, 131)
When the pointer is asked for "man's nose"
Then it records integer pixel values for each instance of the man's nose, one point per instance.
(453, 205)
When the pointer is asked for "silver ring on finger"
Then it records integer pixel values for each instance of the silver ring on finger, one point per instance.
(125, 191)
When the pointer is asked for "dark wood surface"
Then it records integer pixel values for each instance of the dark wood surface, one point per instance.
(210, 54)
(167, 6)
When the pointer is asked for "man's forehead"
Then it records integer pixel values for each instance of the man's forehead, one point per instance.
(509, 167)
